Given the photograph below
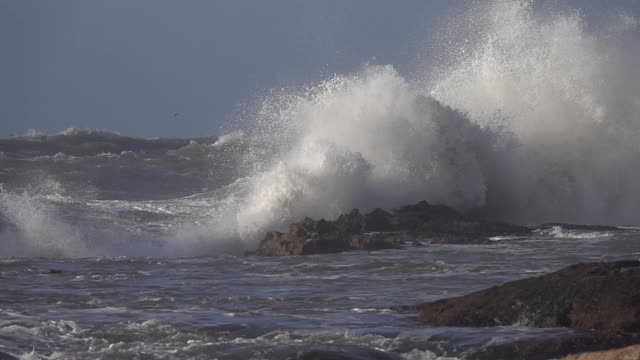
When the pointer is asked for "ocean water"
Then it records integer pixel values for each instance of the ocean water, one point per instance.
(234, 307)
(531, 114)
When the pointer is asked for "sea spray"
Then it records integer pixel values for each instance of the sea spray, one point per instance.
(38, 229)
(526, 118)
(536, 119)
(365, 140)
(570, 96)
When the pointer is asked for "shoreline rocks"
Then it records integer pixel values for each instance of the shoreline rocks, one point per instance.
(603, 299)
(602, 296)
(380, 229)
(628, 353)
(545, 349)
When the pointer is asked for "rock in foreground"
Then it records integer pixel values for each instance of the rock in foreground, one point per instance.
(601, 296)
(603, 299)
(628, 353)
(383, 230)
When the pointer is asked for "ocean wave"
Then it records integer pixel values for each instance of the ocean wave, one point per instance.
(90, 143)
(529, 118)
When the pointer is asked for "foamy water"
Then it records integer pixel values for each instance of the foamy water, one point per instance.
(531, 115)
(229, 307)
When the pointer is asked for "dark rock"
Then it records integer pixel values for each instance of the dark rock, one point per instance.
(466, 231)
(380, 220)
(601, 296)
(55, 271)
(382, 230)
(413, 216)
(324, 237)
(600, 300)
(378, 241)
(550, 348)
(289, 243)
(627, 353)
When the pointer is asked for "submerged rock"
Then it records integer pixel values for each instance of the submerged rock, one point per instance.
(380, 229)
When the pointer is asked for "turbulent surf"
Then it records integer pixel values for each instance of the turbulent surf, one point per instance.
(530, 116)
(116, 247)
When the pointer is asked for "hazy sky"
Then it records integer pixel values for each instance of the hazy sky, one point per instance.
(179, 68)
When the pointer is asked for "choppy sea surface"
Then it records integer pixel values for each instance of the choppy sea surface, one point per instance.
(113, 247)
(235, 307)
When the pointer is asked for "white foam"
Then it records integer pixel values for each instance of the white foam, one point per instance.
(230, 138)
(567, 92)
(417, 354)
(534, 117)
(40, 233)
(560, 233)
(537, 121)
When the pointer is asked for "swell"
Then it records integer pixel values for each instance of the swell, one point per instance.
(107, 166)
(532, 117)
(74, 142)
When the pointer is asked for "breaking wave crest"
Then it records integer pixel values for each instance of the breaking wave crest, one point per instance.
(528, 118)
(570, 97)
(536, 119)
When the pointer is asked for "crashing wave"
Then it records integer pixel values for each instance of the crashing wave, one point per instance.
(531, 118)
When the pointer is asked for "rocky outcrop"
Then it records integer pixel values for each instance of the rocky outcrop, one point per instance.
(552, 348)
(628, 353)
(602, 296)
(348, 232)
(603, 299)
(380, 229)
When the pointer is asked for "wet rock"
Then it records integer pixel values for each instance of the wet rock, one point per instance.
(602, 296)
(289, 243)
(466, 231)
(379, 229)
(628, 353)
(324, 237)
(380, 220)
(413, 216)
(544, 349)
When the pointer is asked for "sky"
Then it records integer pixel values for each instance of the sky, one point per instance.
(183, 68)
